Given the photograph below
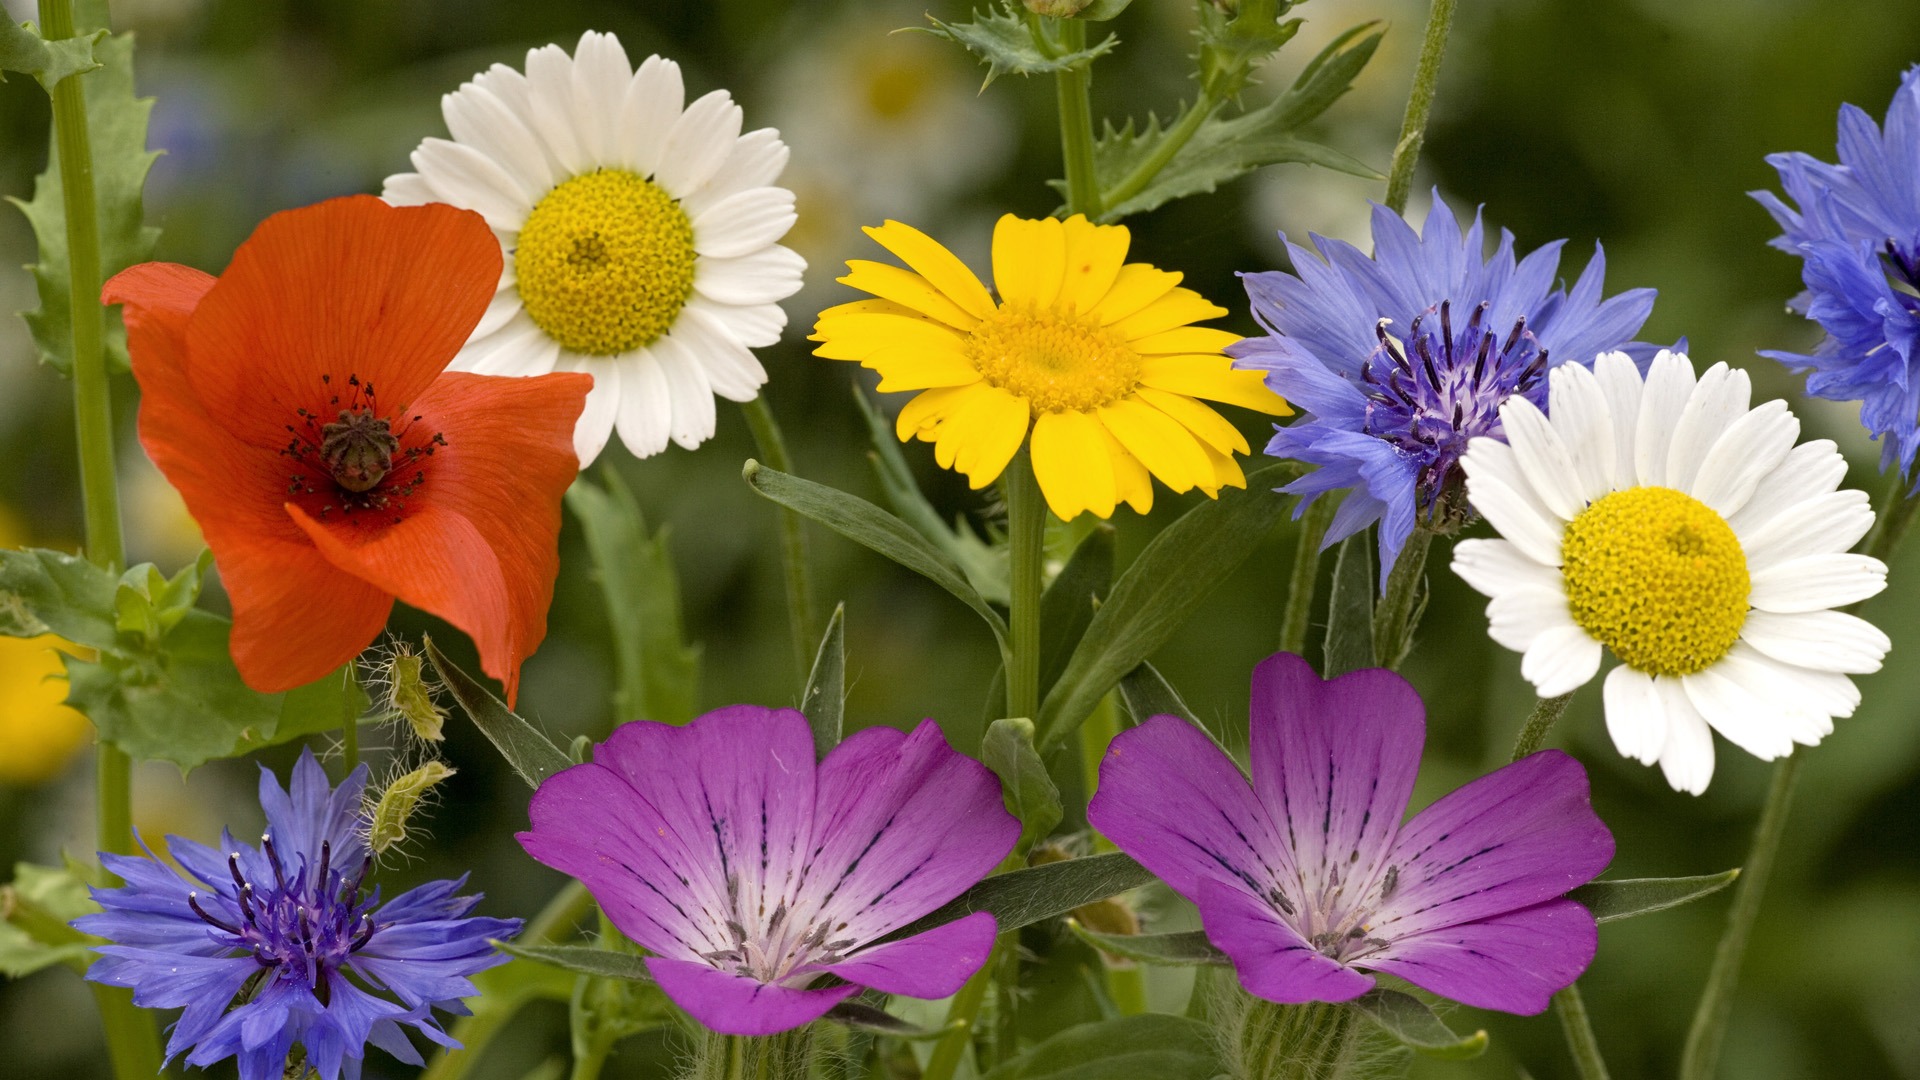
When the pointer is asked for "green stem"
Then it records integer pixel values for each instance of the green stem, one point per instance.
(1026, 540)
(1306, 576)
(952, 1047)
(1176, 137)
(350, 743)
(1546, 712)
(1413, 128)
(787, 1056)
(1076, 124)
(1572, 1009)
(793, 538)
(1895, 517)
(1392, 629)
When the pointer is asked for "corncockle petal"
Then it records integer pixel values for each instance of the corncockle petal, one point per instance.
(1514, 962)
(1270, 958)
(736, 1005)
(932, 964)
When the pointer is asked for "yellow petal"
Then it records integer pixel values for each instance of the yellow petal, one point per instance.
(1212, 377)
(921, 417)
(1093, 257)
(935, 263)
(854, 337)
(907, 288)
(1214, 430)
(1072, 463)
(1226, 471)
(1029, 258)
(1164, 447)
(1137, 286)
(982, 435)
(872, 306)
(1184, 339)
(1132, 484)
(1178, 308)
(905, 368)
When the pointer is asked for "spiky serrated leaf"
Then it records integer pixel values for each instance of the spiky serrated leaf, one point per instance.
(117, 134)
(1233, 41)
(22, 49)
(1003, 42)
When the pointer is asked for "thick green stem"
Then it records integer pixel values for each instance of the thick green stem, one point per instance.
(793, 538)
(1176, 137)
(1027, 542)
(1076, 124)
(1306, 576)
(1546, 712)
(1413, 128)
(1572, 1009)
(1392, 619)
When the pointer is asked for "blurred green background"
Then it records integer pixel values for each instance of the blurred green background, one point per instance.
(1639, 123)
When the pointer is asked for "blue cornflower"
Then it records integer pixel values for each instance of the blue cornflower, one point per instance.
(1399, 360)
(1857, 228)
(278, 947)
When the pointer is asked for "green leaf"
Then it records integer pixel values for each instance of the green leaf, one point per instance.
(659, 674)
(1067, 607)
(1349, 645)
(868, 1018)
(984, 564)
(1184, 949)
(824, 700)
(34, 912)
(1233, 42)
(1328, 76)
(1023, 897)
(1029, 792)
(531, 754)
(1408, 1020)
(1151, 1046)
(22, 49)
(1003, 42)
(583, 960)
(868, 525)
(50, 591)
(1158, 592)
(117, 131)
(1627, 897)
(1147, 693)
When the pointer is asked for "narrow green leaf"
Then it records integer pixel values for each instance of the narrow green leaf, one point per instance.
(117, 130)
(1184, 949)
(1147, 693)
(1002, 42)
(50, 591)
(1627, 897)
(659, 673)
(1023, 897)
(868, 1018)
(1150, 1046)
(1349, 645)
(1408, 1020)
(531, 754)
(582, 960)
(984, 564)
(868, 525)
(22, 49)
(824, 700)
(1029, 792)
(1328, 76)
(1158, 592)
(1069, 603)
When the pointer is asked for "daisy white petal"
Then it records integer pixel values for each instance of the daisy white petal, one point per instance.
(408, 189)
(1670, 383)
(753, 325)
(1686, 758)
(590, 435)
(550, 96)
(1620, 381)
(481, 119)
(1517, 617)
(1636, 715)
(699, 143)
(761, 278)
(465, 177)
(1823, 525)
(1733, 711)
(1813, 582)
(1517, 517)
(1752, 447)
(645, 416)
(1822, 640)
(744, 222)
(1491, 566)
(730, 367)
(690, 392)
(1543, 458)
(1560, 661)
(756, 161)
(1810, 469)
(601, 74)
(1584, 422)
(1717, 401)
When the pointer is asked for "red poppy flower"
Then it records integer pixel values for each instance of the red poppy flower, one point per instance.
(300, 403)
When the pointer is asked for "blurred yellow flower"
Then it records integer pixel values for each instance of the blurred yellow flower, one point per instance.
(1095, 355)
(38, 734)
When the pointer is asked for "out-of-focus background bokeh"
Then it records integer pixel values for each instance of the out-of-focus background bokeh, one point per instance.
(1636, 123)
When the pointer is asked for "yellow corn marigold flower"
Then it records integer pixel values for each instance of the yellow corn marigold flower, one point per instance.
(1096, 356)
(39, 734)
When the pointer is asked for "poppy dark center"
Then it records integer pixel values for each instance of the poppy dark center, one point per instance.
(360, 461)
(358, 448)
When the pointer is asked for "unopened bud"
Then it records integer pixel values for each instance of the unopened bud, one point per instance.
(387, 824)
(410, 696)
(1057, 9)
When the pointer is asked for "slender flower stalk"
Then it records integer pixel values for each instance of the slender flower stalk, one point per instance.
(801, 621)
(1413, 127)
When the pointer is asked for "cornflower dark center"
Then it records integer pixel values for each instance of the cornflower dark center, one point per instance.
(357, 462)
(1903, 271)
(302, 925)
(1433, 392)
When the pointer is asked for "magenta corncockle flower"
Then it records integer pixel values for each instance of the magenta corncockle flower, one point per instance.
(752, 874)
(1308, 874)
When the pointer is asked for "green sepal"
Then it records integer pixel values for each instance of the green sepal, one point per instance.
(824, 699)
(533, 756)
(1413, 1024)
(1004, 41)
(1186, 948)
(861, 1017)
(1627, 897)
(35, 909)
(1349, 643)
(1029, 792)
(1102, 10)
(984, 564)
(22, 49)
(1036, 893)
(1150, 1046)
(659, 673)
(1157, 594)
(117, 132)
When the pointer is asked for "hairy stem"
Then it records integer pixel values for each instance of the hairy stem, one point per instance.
(1572, 1010)
(1306, 576)
(1413, 128)
(793, 538)
(1393, 617)
(1546, 712)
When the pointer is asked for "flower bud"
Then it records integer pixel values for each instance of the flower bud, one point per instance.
(387, 822)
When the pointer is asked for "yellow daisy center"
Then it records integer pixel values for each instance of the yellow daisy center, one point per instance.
(1059, 361)
(605, 262)
(1658, 577)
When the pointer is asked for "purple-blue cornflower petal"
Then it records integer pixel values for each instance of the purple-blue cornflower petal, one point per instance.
(738, 1005)
(1514, 962)
(1270, 958)
(931, 964)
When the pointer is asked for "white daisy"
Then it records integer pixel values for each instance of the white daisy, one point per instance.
(1667, 522)
(639, 233)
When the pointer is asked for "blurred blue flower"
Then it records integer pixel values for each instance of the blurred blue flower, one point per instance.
(1399, 359)
(277, 947)
(1857, 228)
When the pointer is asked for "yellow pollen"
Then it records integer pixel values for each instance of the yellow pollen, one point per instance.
(1658, 577)
(605, 262)
(1059, 361)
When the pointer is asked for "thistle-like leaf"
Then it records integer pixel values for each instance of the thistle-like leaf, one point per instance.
(22, 49)
(1004, 42)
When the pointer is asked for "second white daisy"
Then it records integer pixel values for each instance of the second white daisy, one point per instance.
(1670, 523)
(640, 234)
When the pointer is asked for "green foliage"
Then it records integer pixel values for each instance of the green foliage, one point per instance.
(22, 49)
(1067, 607)
(1013, 42)
(1627, 897)
(34, 912)
(868, 1018)
(824, 700)
(659, 671)
(984, 564)
(1029, 792)
(117, 132)
(531, 754)
(583, 960)
(1152, 1046)
(1185, 948)
(1412, 1023)
(1037, 893)
(1233, 42)
(147, 605)
(1349, 645)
